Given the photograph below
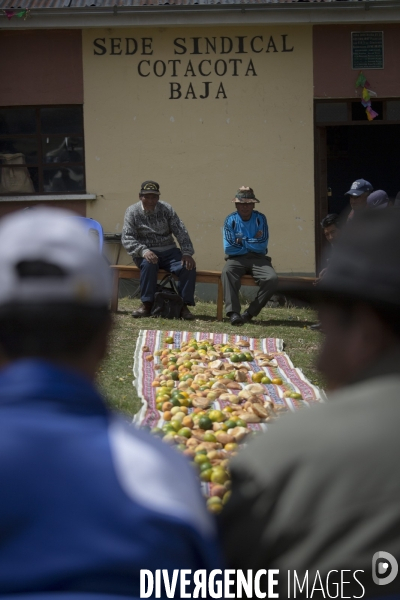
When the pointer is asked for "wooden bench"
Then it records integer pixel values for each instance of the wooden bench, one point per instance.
(132, 272)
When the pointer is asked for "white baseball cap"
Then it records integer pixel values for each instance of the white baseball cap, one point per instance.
(56, 238)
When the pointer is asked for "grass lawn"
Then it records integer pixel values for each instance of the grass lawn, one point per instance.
(290, 324)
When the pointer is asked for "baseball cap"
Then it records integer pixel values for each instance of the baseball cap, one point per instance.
(378, 199)
(47, 256)
(245, 195)
(368, 250)
(358, 187)
(150, 187)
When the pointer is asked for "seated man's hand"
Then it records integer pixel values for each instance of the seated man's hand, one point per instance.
(188, 262)
(259, 234)
(150, 257)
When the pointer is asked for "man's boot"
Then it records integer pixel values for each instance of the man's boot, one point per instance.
(186, 314)
(143, 311)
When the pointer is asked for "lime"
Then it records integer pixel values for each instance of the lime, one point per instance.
(169, 340)
(216, 416)
(242, 356)
(176, 425)
(234, 358)
(230, 424)
(241, 423)
(205, 466)
(265, 380)
(206, 475)
(175, 401)
(226, 497)
(200, 458)
(205, 423)
(209, 437)
(257, 377)
(167, 428)
(231, 446)
(219, 476)
(157, 431)
(185, 432)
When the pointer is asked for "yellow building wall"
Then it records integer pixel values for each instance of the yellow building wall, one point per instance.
(256, 130)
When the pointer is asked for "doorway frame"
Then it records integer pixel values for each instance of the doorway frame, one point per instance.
(321, 162)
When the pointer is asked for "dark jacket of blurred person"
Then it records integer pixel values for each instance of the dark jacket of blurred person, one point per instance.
(86, 500)
(320, 490)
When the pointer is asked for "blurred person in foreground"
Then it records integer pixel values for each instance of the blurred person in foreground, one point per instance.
(86, 499)
(320, 490)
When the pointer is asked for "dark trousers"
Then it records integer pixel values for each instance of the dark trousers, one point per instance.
(170, 261)
(260, 268)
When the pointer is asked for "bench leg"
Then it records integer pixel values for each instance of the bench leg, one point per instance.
(114, 293)
(220, 301)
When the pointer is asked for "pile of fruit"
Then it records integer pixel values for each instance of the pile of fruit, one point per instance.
(210, 401)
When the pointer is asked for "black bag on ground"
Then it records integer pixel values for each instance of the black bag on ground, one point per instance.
(167, 302)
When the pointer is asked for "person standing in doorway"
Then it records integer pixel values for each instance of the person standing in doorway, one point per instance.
(245, 241)
(379, 199)
(358, 195)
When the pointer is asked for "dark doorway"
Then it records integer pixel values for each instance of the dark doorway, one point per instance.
(346, 152)
(354, 152)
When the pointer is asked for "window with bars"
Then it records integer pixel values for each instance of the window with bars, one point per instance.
(42, 150)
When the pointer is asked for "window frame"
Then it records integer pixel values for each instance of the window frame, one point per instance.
(40, 165)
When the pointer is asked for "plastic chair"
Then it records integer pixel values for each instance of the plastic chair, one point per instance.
(93, 227)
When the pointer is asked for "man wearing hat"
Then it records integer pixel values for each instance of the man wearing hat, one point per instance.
(319, 493)
(147, 235)
(245, 241)
(358, 194)
(86, 500)
(379, 199)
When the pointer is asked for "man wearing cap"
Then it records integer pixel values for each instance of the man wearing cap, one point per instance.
(379, 199)
(86, 500)
(358, 194)
(147, 235)
(245, 241)
(319, 493)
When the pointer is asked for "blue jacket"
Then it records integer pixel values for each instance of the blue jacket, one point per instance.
(87, 500)
(234, 224)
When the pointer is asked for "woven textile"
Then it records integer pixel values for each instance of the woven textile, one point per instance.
(293, 379)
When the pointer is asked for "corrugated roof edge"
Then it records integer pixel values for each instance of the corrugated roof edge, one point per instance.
(121, 4)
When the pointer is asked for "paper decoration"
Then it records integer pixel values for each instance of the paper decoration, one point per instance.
(361, 80)
(371, 114)
(25, 13)
(366, 94)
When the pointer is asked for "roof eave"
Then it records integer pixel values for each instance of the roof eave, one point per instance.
(363, 12)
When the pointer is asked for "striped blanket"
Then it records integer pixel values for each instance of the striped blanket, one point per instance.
(293, 379)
